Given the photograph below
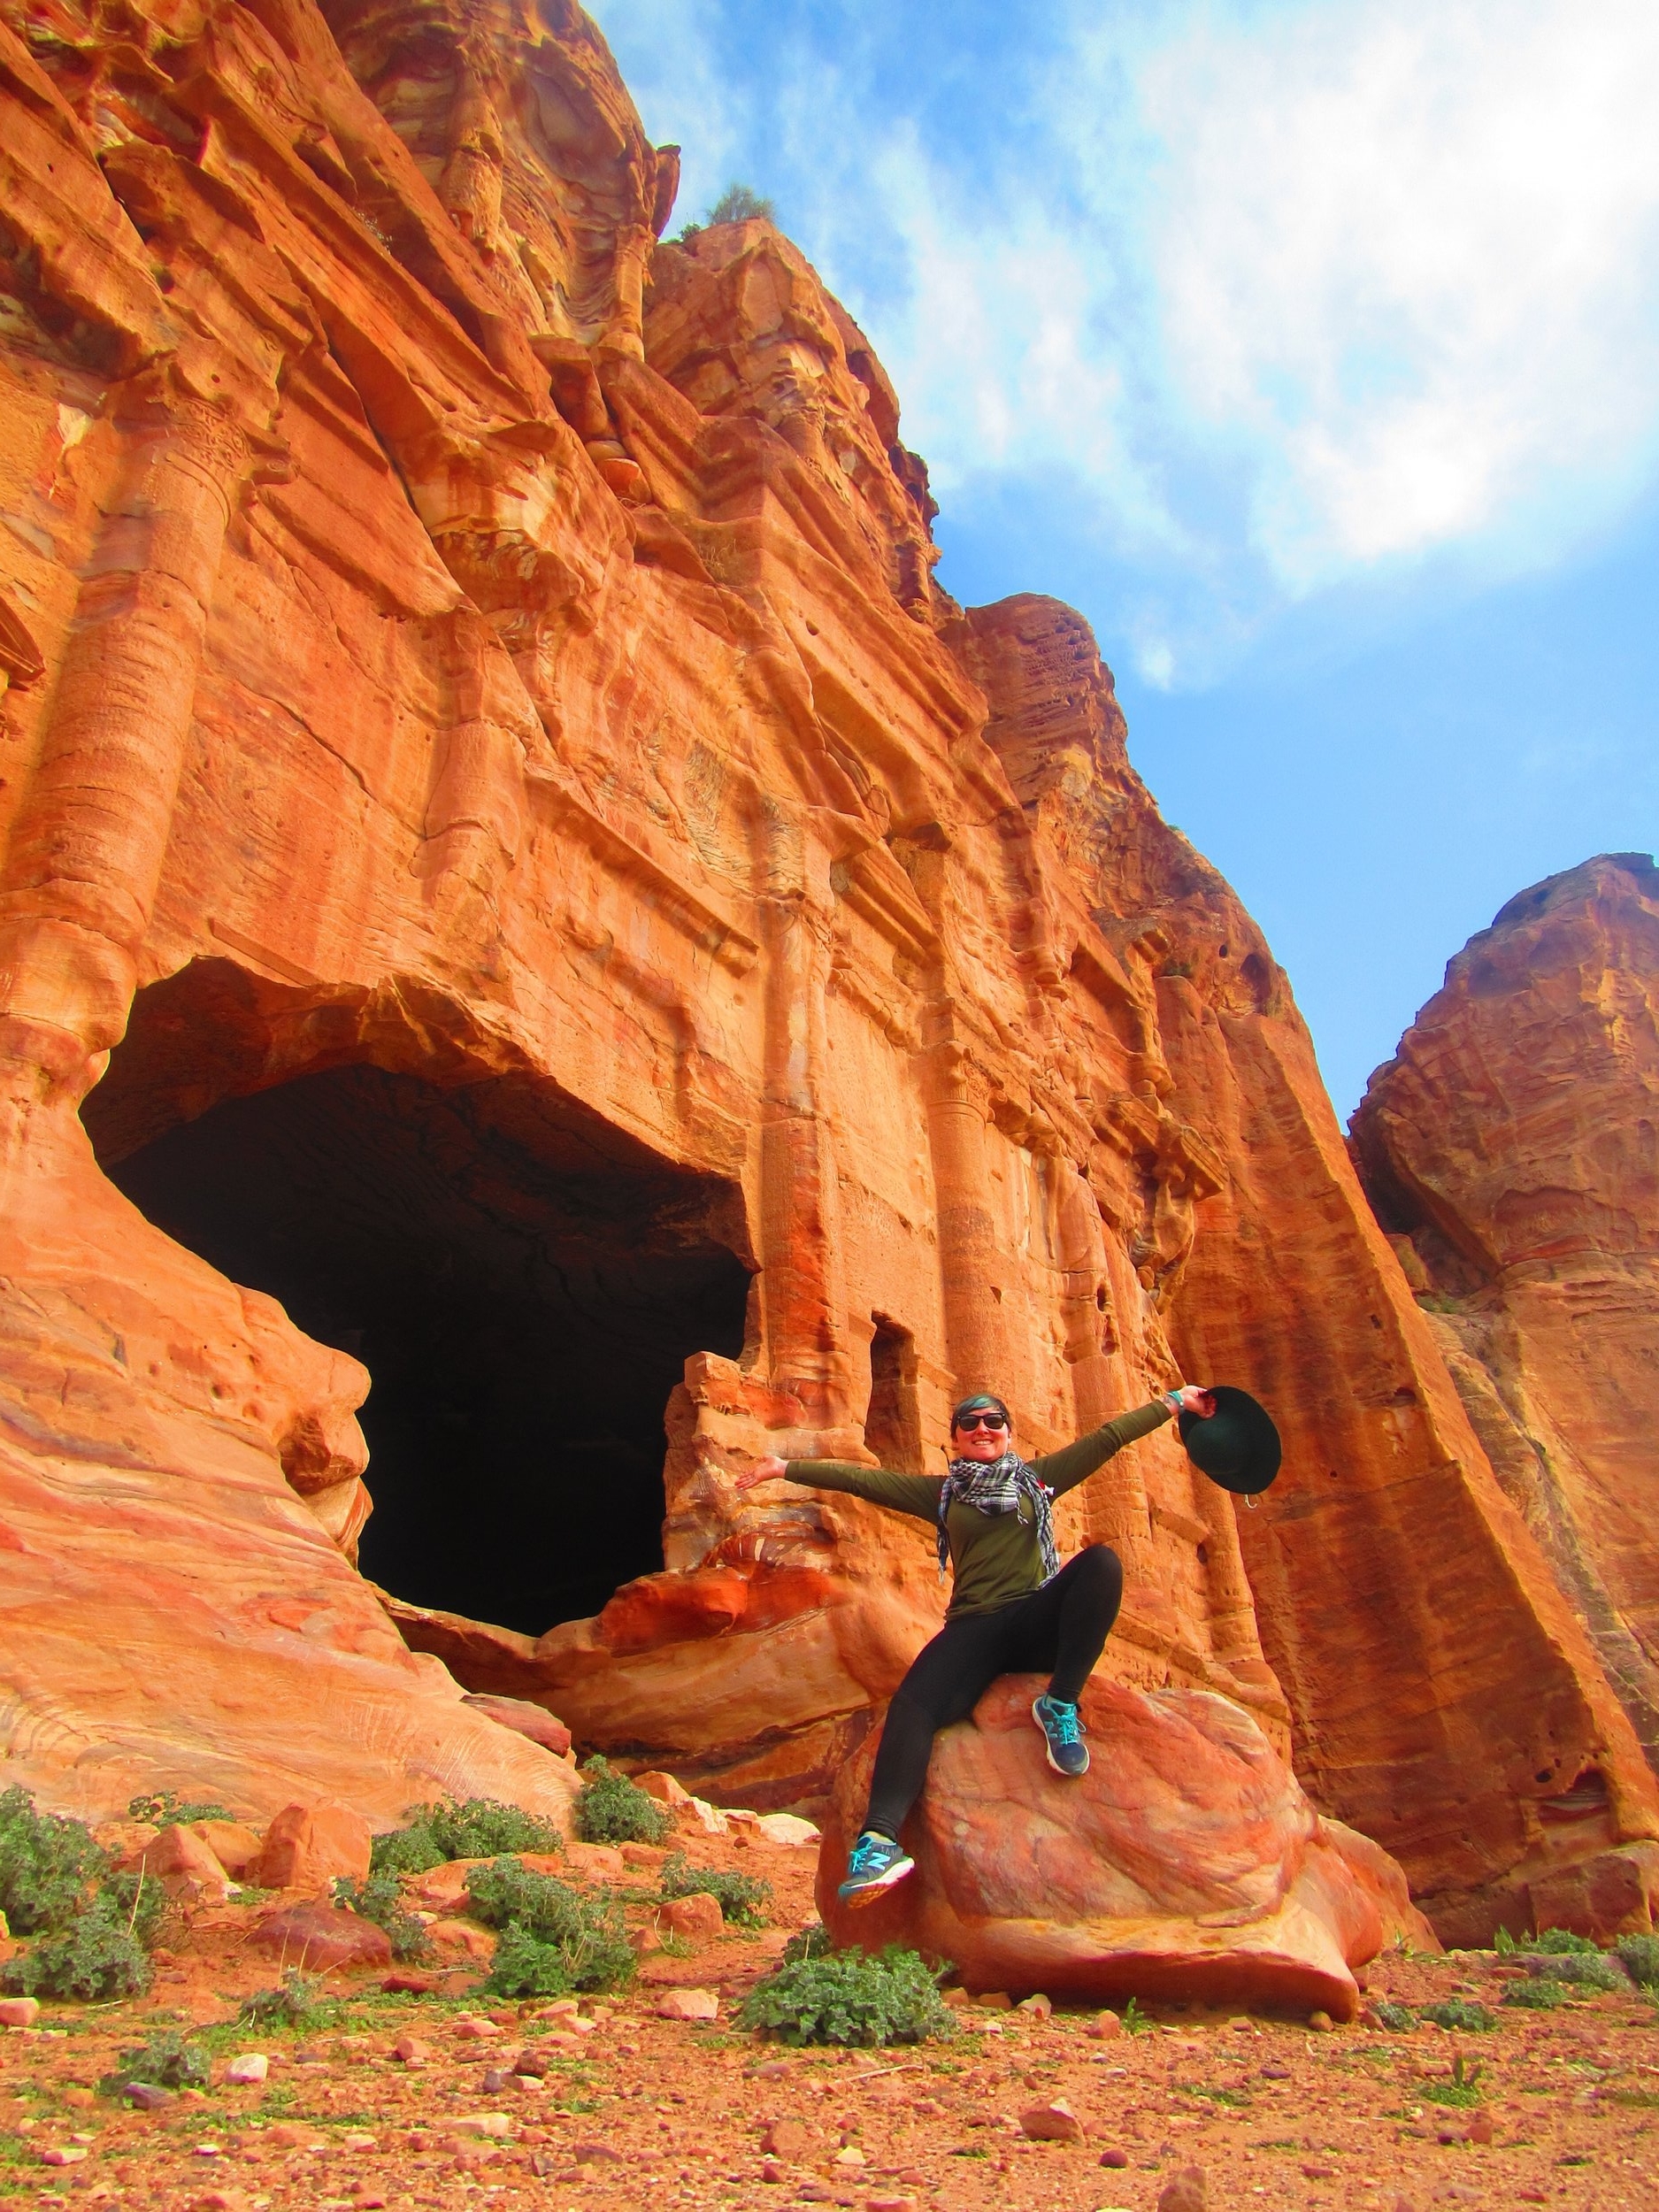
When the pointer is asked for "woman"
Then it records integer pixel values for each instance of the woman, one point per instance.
(1014, 1608)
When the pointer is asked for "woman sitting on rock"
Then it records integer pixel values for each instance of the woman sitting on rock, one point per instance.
(1014, 1608)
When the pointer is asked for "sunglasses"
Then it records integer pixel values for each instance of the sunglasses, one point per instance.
(971, 1421)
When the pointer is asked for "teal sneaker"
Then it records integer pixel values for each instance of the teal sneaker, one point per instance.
(876, 1863)
(1063, 1732)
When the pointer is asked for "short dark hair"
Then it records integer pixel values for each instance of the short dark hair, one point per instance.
(982, 1403)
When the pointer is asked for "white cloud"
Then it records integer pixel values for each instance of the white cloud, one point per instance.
(1291, 293)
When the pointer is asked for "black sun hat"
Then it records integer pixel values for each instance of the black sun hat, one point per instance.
(1238, 1446)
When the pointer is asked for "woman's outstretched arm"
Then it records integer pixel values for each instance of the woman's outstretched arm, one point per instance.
(917, 1494)
(1064, 1469)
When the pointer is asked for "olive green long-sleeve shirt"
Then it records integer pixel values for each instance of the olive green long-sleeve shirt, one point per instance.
(995, 1557)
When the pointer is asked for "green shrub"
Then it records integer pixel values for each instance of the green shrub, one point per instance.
(166, 1810)
(1135, 2020)
(850, 1998)
(49, 1867)
(738, 204)
(808, 1943)
(1560, 1943)
(478, 1829)
(610, 1809)
(138, 1901)
(526, 1967)
(593, 1951)
(379, 1899)
(1583, 1971)
(167, 2060)
(1458, 2012)
(1640, 1955)
(742, 1898)
(1540, 1996)
(95, 1955)
(1400, 2018)
(295, 1998)
(1460, 2092)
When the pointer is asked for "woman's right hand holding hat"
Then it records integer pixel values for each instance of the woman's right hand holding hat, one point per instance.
(1190, 1398)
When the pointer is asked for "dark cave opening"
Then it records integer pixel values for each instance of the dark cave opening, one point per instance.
(523, 1281)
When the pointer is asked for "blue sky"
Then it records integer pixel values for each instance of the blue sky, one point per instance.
(1312, 351)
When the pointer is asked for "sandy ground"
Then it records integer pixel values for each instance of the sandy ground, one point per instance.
(639, 2109)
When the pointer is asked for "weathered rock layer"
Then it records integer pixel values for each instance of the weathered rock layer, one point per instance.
(522, 898)
(1511, 1148)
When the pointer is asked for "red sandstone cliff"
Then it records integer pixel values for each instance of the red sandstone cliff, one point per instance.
(509, 853)
(1509, 1149)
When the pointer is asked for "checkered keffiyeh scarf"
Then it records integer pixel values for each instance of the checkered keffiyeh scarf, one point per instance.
(997, 1485)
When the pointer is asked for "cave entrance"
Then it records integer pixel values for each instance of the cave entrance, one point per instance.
(523, 1281)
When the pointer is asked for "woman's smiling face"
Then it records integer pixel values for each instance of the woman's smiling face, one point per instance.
(979, 1442)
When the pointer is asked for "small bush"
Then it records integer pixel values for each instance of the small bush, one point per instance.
(610, 1809)
(808, 1943)
(1562, 1943)
(742, 1898)
(526, 1967)
(850, 1998)
(1458, 2012)
(1540, 1996)
(379, 1899)
(297, 1997)
(167, 2060)
(95, 1956)
(49, 1867)
(1460, 2092)
(166, 1811)
(1400, 2018)
(1583, 1970)
(589, 1939)
(481, 1828)
(1639, 1956)
(738, 204)
(1135, 2020)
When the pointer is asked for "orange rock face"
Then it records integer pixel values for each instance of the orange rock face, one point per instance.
(1186, 1863)
(526, 916)
(1510, 1148)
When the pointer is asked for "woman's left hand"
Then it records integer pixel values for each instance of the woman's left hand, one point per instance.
(1194, 1398)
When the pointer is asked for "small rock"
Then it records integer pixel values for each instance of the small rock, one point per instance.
(322, 1936)
(1313, 2171)
(786, 2139)
(787, 1828)
(307, 1845)
(849, 2155)
(596, 2154)
(815, 2193)
(482, 2123)
(359, 2141)
(696, 1920)
(1480, 2129)
(1117, 2160)
(247, 2066)
(494, 2082)
(995, 2000)
(220, 2200)
(63, 2154)
(643, 1857)
(1052, 2123)
(770, 2171)
(688, 2004)
(663, 1787)
(19, 2012)
(232, 1844)
(1104, 2026)
(470, 2029)
(889, 2204)
(365, 2198)
(1188, 2190)
(409, 2050)
(465, 1935)
(1275, 2073)
(1039, 2007)
(148, 2096)
(1321, 2023)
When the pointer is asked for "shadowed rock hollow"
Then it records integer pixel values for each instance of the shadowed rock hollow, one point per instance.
(526, 911)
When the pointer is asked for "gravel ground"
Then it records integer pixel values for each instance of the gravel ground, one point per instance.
(636, 2109)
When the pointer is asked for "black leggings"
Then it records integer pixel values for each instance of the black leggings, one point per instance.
(1061, 1629)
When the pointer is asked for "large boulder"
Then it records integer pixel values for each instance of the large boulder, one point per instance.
(1185, 1864)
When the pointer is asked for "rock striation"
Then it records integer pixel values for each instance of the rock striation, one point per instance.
(542, 956)
(1510, 1150)
(1185, 1864)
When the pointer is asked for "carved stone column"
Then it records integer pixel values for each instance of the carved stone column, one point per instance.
(970, 1262)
